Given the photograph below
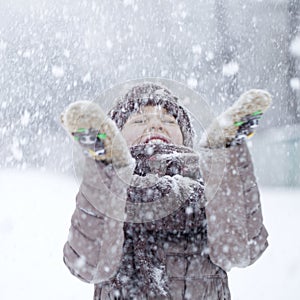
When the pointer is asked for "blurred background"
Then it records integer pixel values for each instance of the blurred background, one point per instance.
(53, 53)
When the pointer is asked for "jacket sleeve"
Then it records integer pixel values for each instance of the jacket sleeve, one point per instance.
(94, 246)
(236, 234)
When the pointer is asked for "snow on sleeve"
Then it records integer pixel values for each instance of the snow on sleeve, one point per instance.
(94, 247)
(236, 234)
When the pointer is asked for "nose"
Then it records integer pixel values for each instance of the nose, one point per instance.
(155, 124)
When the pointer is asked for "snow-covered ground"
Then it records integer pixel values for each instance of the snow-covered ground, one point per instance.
(35, 216)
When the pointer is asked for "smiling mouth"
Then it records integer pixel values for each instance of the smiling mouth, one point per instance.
(157, 140)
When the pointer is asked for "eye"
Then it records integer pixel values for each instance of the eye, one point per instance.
(138, 121)
(169, 120)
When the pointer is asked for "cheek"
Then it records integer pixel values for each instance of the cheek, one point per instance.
(177, 136)
(127, 134)
(131, 135)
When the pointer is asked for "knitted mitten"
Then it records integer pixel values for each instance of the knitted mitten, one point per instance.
(96, 133)
(238, 122)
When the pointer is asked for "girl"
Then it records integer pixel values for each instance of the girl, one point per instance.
(153, 218)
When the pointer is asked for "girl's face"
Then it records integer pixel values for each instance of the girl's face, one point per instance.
(152, 124)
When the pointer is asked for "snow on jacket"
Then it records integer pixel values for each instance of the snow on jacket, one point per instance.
(188, 258)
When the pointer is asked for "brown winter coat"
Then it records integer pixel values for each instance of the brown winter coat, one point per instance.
(183, 254)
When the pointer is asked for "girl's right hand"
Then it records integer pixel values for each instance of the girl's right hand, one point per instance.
(96, 133)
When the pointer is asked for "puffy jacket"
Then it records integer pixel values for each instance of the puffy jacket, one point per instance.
(229, 229)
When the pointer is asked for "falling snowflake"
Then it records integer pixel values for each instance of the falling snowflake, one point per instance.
(230, 69)
(295, 83)
(295, 46)
(57, 71)
(192, 82)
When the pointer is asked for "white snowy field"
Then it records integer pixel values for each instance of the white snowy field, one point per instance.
(35, 216)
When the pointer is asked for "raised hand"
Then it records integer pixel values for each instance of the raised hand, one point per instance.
(238, 122)
(96, 133)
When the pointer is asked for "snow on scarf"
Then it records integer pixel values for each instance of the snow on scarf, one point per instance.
(173, 175)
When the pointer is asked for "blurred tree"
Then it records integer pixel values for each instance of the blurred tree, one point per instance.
(293, 75)
(227, 51)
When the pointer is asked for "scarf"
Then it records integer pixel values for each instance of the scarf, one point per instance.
(163, 174)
